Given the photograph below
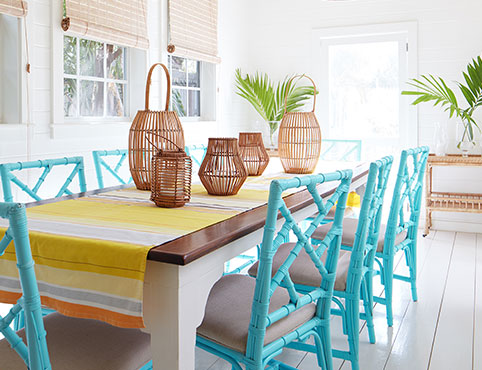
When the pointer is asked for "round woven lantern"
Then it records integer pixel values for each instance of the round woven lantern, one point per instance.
(222, 171)
(253, 152)
(299, 139)
(162, 128)
(171, 178)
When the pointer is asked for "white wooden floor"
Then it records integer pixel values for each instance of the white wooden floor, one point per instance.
(443, 330)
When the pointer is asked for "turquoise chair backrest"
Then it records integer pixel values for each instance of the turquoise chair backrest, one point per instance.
(267, 281)
(7, 176)
(407, 196)
(341, 150)
(35, 353)
(100, 163)
(369, 221)
(197, 153)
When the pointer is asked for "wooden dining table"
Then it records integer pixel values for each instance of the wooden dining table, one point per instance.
(180, 272)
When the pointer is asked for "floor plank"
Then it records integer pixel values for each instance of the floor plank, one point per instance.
(413, 344)
(452, 348)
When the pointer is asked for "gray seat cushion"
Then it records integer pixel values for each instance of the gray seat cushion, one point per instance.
(228, 313)
(85, 344)
(349, 230)
(331, 214)
(303, 270)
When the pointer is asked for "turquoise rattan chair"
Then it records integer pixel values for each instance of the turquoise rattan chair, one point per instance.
(34, 354)
(197, 153)
(355, 266)
(7, 176)
(340, 150)
(100, 163)
(74, 344)
(250, 321)
(401, 231)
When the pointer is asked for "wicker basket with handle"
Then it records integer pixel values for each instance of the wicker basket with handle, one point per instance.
(162, 128)
(299, 139)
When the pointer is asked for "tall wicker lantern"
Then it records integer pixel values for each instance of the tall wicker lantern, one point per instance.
(162, 128)
(253, 152)
(222, 171)
(299, 140)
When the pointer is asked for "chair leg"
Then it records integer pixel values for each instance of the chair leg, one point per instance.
(411, 253)
(367, 297)
(323, 346)
(388, 280)
(353, 324)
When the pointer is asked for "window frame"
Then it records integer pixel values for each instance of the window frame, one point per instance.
(78, 77)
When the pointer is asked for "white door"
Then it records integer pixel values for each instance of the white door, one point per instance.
(362, 72)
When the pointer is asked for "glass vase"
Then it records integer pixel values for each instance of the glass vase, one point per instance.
(440, 139)
(465, 137)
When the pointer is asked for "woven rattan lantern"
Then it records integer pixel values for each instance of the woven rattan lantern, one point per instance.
(171, 178)
(299, 140)
(222, 171)
(162, 128)
(253, 152)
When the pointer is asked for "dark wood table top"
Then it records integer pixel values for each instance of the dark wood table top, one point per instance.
(190, 247)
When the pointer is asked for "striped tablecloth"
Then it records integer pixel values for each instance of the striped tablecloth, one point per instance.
(90, 252)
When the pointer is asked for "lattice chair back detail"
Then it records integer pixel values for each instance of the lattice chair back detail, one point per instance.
(34, 353)
(197, 153)
(341, 150)
(8, 177)
(407, 195)
(114, 171)
(267, 280)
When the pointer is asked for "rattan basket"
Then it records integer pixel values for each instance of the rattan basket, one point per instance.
(222, 171)
(299, 140)
(162, 128)
(253, 152)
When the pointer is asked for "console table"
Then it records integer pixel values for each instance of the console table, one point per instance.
(446, 201)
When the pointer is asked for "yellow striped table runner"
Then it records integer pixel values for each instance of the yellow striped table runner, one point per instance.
(91, 252)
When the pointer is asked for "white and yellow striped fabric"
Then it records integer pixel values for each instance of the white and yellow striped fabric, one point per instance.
(91, 252)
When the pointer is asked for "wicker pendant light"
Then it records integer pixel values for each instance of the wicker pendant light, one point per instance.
(222, 171)
(253, 152)
(162, 128)
(299, 140)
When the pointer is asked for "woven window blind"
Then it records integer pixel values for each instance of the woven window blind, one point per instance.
(120, 22)
(16, 8)
(193, 29)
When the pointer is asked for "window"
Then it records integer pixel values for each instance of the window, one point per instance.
(186, 86)
(10, 79)
(95, 81)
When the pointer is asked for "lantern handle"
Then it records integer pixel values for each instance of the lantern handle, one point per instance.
(148, 85)
(289, 85)
(165, 138)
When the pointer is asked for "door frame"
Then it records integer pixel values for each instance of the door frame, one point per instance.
(323, 37)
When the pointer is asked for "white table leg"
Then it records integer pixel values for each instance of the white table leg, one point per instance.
(174, 302)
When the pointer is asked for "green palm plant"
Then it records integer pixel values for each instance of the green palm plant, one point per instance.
(434, 89)
(268, 99)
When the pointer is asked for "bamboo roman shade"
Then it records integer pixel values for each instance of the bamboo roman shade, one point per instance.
(16, 8)
(193, 29)
(120, 22)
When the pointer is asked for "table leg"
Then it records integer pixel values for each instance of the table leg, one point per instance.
(174, 301)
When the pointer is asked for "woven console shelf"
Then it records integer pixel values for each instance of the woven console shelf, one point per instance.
(171, 178)
(437, 201)
(299, 139)
(161, 128)
(253, 152)
(222, 171)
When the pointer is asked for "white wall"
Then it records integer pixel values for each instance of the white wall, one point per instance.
(48, 139)
(449, 35)
(272, 36)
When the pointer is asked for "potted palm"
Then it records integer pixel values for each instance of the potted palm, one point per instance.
(434, 89)
(268, 99)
